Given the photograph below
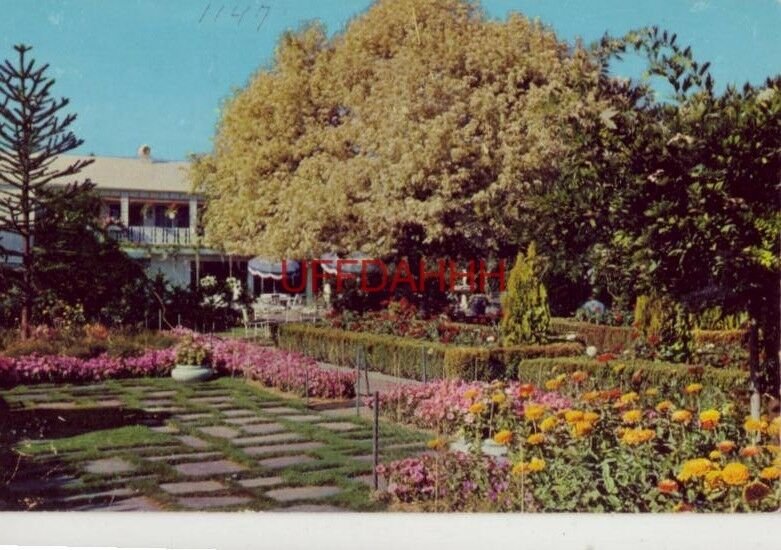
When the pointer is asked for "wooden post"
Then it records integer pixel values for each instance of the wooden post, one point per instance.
(423, 360)
(376, 441)
(357, 386)
(306, 387)
(753, 362)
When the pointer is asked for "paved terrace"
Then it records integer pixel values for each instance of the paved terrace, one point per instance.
(154, 444)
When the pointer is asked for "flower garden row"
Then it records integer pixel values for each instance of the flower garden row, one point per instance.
(576, 445)
(286, 371)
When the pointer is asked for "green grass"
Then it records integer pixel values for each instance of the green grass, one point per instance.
(126, 436)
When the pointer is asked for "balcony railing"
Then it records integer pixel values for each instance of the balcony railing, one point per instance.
(153, 235)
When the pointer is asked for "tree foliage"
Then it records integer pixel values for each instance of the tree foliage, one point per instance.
(418, 130)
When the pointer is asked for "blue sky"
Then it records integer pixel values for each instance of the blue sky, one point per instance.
(152, 71)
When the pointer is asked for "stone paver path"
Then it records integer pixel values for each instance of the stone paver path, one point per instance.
(221, 445)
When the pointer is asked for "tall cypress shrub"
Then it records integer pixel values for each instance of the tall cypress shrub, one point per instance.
(526, 317)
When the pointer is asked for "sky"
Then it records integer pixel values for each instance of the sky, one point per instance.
(156, 71)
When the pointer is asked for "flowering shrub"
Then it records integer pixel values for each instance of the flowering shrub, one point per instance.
(450, 481)
(448, 406)
(192, 352)
(629, 449)
(270, 366)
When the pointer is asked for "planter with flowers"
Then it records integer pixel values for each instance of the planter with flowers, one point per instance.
(193, 361)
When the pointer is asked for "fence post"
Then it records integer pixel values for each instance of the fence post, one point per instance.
(159, 319)
(306, 387)
(376, 440)
(357, 386)
(424, 358)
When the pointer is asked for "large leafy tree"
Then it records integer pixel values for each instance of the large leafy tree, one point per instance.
(418, 130)
(32, 135)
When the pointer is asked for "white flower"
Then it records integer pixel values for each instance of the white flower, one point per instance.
(591, 351)
(210, 281)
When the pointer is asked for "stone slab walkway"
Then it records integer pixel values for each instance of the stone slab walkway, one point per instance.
(159, 445)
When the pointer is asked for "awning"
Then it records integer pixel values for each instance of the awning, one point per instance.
(328, 262)
(271, 269)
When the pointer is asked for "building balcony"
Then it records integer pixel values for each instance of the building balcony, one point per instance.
(153, 235)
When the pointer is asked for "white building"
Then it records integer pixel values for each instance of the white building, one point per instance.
(151, 211)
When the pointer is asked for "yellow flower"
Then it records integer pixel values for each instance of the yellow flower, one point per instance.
(713, 480)
(774, 428)
(770, 473)
(773, 449)
(573, 416)
(632, 417)
(681, 416)
(664, 406)
(535, 439)
(476, 408)
(652, 392)
(709, 419)
(628, 398)
(590, 416)
(714, 455)
(725, 446)
(637, 436)
(548, 424)
(691, 389)
(499, 398)
(471, 393)
(694, 468)
(437, 443)
(533, 411)
(590, 396)
(582, 428)
(534, 465)
(735, 473)
(553, 384)
(752, 425)
(503, 437)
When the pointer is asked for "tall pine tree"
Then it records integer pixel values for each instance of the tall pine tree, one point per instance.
(32, 136)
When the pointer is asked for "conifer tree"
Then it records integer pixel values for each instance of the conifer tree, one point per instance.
(32, 136)
(526, 317)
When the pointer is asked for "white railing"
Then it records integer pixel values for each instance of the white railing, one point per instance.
(153, 235)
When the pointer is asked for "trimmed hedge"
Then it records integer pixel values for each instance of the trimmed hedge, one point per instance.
(408, 357)
(609, 338)
(627, 373)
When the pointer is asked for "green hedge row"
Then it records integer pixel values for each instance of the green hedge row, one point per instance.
(607, 338)
(409, 357)
(672, 376)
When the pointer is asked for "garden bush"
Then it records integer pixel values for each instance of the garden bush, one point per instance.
(526, 315)
(409, 357)
(634, 372)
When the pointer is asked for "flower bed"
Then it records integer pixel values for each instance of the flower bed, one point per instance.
(272, 367)
(408, 357)
(629, 448)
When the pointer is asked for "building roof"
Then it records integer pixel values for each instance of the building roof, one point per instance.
(129, 174)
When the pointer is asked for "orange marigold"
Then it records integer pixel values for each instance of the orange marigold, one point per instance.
(725, 446)
(770, 473)
(525, 390)
(477, 408)
(549, 423)
(664, 406)
(499, 398)
(535, 439)
(681, 416)
(590, 396)
(753, 425)
(503, 437)
(749, 450)
(573, 416)
(709, 419)
(471, 393)
(590, 416)
(694, 468)
(579, 376)
(637, 436)
(667, 486)
(582, 428)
